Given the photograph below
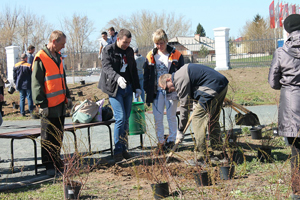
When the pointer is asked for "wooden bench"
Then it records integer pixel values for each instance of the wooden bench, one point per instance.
(23, 134)
(36, 132)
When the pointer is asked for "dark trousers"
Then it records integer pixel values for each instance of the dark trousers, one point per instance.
(52, 130)
(295, 165)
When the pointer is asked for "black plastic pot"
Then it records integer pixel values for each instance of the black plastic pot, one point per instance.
(82, 82)
(227, 172)
(11, 90)
(160, 190)
(79, 93)
(264, 154)
(256, 133)
(202, 178)
(238, 157)
(72, 192)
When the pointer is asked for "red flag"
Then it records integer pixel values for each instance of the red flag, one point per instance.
(280, 14)
(272, 15)
(285, 11)
(294, 9)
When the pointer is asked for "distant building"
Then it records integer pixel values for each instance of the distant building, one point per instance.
(191, 45)
(239, 45)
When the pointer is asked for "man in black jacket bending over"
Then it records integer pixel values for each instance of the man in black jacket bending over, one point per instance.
(118, 79)
(209, 88)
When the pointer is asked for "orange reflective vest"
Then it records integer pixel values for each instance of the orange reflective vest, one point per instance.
(173, 57)
(54, 83)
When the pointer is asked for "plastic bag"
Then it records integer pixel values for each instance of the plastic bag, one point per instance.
(98, 117)
(85, 112)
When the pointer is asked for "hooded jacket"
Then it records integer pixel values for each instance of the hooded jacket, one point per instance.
(284, 75)
(150, 79)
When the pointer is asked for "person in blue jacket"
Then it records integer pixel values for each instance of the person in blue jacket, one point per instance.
(22, 80)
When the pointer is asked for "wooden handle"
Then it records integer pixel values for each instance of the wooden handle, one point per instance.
(240, 107)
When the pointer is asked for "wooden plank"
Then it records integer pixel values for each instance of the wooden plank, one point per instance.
(28, 133)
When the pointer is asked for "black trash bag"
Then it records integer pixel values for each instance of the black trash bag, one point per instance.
(107, 113)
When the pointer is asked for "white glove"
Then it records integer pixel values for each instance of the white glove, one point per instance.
(69, 104)
(122, 82)
(138, 93)
(99, 56)
(179, 136)
(44, 112)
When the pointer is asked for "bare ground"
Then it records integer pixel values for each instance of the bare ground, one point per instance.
(132, 180)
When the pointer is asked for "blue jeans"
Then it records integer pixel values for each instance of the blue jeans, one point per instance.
(25, 94)
(143, 92)
(121, 105)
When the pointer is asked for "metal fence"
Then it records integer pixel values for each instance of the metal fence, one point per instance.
(243, 53)
(251, 53)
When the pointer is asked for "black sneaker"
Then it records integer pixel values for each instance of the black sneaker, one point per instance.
(118, 157)
(126, 155)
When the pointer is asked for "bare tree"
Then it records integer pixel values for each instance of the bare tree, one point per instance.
(9, 26)
(78, 30)
(41, 32)
(32, 30)
(260, 37)
(143, 24)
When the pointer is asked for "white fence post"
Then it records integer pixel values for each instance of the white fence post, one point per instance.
(221, 47)
(12, 56)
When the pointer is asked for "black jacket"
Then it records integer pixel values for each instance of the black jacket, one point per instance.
(150, 79)
(111, 66)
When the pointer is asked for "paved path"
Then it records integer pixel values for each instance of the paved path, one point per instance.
(24, 157)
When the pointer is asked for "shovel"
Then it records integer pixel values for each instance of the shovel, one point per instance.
(247, 119)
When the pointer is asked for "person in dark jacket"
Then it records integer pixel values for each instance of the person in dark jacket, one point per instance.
(284, 75)
(209, 88)
(118, 79)
(51, 94)
(22, 80)
(162, 59)
(30, 51)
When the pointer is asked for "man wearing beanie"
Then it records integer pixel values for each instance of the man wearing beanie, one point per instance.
(284, 75)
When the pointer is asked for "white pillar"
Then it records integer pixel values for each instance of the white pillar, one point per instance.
(12, 56)
(221, 48)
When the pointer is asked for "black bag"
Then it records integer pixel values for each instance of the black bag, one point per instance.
(107, 113)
